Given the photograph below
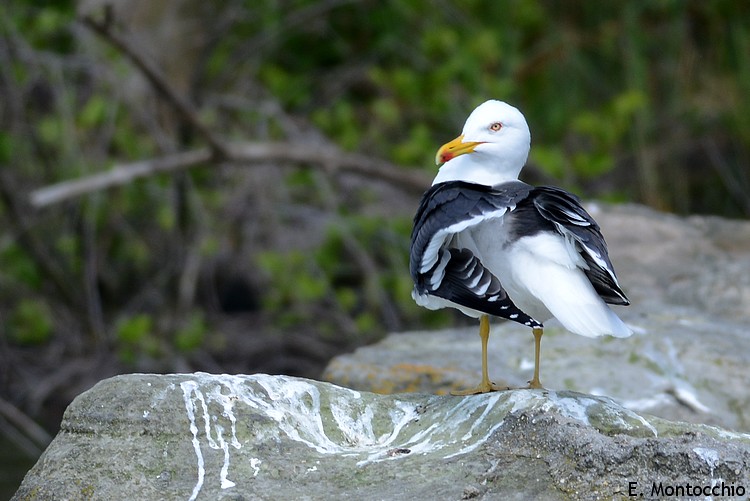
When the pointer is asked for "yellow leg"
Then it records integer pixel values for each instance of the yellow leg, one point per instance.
(485, 385)
(538, 332)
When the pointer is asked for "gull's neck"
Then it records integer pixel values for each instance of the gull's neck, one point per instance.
(477, 168)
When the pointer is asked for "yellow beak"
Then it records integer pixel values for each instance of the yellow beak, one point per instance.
(454, 148)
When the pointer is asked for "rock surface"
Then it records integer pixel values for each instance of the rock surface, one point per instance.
(689, 283)
(201, 436)
(699, 263)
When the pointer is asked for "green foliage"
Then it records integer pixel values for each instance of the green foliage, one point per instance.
(6, 147)
(320, 288)
(339, 121)
(94, 112)
(133, 330)
(597, 82)
(30, 322)
(192, 334)
(19, 268)
(136, 337)
(295, 286)
(47, 27)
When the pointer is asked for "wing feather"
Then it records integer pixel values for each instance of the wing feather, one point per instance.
(571, 220)
(456, 274)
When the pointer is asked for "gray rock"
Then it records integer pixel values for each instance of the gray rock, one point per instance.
(678, 368)
(201, 436)
(700, 263)
(689, 283)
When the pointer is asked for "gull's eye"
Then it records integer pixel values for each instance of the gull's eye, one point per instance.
(496, 126)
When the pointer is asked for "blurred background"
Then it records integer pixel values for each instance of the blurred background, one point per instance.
(247, 170)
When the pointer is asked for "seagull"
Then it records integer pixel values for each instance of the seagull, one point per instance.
(486, 243)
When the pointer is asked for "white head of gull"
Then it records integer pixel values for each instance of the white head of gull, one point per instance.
(498, 138)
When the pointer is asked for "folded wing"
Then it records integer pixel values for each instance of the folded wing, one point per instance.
(571, 220)
(456, 274)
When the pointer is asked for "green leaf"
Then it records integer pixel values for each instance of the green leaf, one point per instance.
(18, 265)
(30, 322)
(191, 335)
(133, 330)
(551, 159)
(94, 112)
(6, 148)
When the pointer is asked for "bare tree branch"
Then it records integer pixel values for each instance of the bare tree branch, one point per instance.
(184, 107)
(29, 428)
(331, 159)
(118, 176)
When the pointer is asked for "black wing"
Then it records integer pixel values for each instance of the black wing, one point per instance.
(456, 274)
(564, 211)
(451, 207)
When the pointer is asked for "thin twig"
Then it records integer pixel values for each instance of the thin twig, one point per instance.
(330, 159)
(94, 309)
(25, 424)
(733, 184)
(65, 376)
(333, 160)
(158, 81)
